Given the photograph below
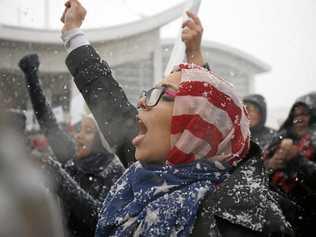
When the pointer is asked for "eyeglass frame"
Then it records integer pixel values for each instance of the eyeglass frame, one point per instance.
(164, 90)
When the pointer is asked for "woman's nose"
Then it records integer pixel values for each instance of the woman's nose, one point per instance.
(141, 103)
(77, 136)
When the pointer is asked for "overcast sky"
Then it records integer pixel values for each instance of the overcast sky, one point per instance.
(281, 33)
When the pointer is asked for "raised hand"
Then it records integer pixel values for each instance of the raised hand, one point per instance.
(192, 36)
(73, 15)
(283, 154)
(29, 63)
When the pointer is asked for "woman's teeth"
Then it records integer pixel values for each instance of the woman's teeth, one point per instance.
(82, 146)
(297, 121)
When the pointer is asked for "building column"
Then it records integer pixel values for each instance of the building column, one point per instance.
(157, 59)
(46, 14)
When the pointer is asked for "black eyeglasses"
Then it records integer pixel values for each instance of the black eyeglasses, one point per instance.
(153, 96)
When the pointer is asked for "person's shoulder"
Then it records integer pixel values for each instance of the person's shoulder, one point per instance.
(245, 198)
(242, 186)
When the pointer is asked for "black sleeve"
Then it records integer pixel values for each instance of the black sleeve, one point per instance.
(306, 171)
(61, 143)
(81, 203)
(223, 228)
(228, 229)
(115, 115)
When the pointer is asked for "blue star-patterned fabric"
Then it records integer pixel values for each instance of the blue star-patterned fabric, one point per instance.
(152, 200)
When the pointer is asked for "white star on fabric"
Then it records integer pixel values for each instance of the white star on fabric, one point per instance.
(151, 216)
(120, 187)
(163, 188)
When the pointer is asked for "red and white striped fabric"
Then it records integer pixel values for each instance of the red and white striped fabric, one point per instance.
(209, 119)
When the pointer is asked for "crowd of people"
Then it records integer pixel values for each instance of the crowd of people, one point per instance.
(191, 159)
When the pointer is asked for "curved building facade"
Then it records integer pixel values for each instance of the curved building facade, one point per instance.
(135, 52)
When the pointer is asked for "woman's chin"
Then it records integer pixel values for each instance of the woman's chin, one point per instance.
(147, 158)
(79, 155)
(141, 155)
(138, 155)
(82, 152)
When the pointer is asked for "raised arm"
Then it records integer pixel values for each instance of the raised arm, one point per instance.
(115, 115)
(83, 205)
(192, 36)
(61, 143)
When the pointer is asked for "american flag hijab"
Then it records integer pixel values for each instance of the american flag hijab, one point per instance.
(209, 119)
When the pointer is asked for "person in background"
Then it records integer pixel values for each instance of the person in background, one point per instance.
(85, 158)
(257, 112)
(291, 164)
(310, 100)
(195, 174)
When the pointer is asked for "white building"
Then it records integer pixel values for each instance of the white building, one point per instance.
(134, 50)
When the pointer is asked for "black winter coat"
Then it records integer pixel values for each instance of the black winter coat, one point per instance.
(243, 206)
(94, 174)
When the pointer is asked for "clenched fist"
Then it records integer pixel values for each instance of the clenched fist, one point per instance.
(29, 63)
(73, 15)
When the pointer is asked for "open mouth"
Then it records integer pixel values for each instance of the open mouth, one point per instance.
(80, 146)
(142, 130)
